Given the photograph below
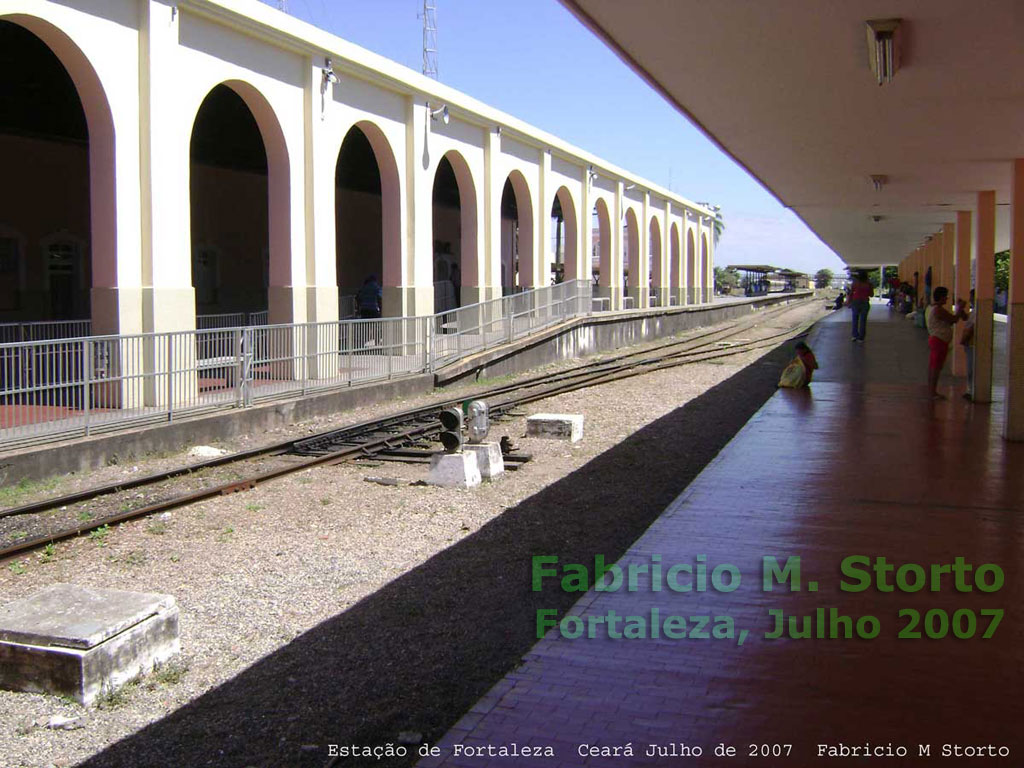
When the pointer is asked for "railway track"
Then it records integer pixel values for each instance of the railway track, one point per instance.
(55, 519)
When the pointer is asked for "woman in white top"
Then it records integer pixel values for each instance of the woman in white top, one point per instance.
(940, 333)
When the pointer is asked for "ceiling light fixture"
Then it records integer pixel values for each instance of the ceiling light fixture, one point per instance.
(879, 180)
(884, 48)
(440, 113)
(328, 76)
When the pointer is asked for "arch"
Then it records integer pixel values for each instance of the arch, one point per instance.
(517, 257)
(233, 210)
(631, 271)
(655, 267)
(705, 268)
(674, 265)
(691, 268)
(468, 258)
(100, 253)
(603, 252)
(391, 208)
(567, 236)
(367, 214)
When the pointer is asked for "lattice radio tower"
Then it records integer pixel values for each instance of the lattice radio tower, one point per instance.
(430, 38)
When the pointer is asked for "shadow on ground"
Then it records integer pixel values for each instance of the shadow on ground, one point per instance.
(418, 653)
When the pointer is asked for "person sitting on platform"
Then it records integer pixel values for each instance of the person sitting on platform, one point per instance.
(799, 372)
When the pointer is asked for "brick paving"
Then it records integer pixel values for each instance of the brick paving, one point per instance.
(863, 464)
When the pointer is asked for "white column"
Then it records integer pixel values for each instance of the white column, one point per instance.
(643, 278)
(168, 297)
(615, 279)
(415, 293)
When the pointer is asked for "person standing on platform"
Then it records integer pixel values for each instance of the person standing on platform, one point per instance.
(940, 333)
(456, 277)
(368, 298)
(967, 341)
(861, 292)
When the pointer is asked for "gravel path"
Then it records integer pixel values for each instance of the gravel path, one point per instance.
(322, 608)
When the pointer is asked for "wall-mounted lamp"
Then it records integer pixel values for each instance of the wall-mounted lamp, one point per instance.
(879, 180)
(328, 76)
(440, 113)
(591, 175)
(884, 48)
(877, 218)
(497, 130)
(174, 12)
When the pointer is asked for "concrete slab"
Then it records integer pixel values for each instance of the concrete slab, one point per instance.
(558, 426)
(488, 459)
(80, 641)
(454, 470)
(73, 616)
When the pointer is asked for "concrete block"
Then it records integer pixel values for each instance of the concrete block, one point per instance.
(488, 459)
(80, 642)
(558, 426)
(454, 470)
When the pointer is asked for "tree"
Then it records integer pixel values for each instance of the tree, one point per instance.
(719, 220)
(1003, 270)
(823, 278)
(725, 280)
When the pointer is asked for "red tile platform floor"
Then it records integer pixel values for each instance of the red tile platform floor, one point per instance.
(863, 464)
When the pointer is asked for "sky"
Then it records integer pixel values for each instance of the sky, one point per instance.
(534, 60)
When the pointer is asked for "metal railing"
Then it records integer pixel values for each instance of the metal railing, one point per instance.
(42, 330)
(58, 388)
(46, 330)
(476, 327)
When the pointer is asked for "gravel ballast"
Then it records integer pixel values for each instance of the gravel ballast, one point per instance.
(322, 608)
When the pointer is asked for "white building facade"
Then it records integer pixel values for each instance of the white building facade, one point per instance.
(181, 213)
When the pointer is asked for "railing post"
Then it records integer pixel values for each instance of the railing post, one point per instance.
(427, 366)
(239, 367)
(248, 342)
(431, 345)
(170, 376)
(351, 328)
(87, 378)
(305, 357)
(389, 347)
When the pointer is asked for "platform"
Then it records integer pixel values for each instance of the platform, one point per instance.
(862, 464)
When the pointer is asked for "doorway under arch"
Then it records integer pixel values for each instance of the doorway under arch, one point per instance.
(58, 239)
(516, 235)
(565, 228)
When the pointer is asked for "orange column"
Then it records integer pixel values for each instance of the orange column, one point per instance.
(984, 252)
(1013, 423)
(962, 282)
(947, 256)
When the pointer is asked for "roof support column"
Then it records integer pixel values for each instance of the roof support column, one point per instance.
(1013, 426)
(948, 241)
(963, 282)
(984, 249)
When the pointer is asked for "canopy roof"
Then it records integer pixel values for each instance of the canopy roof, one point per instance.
(785, 88)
